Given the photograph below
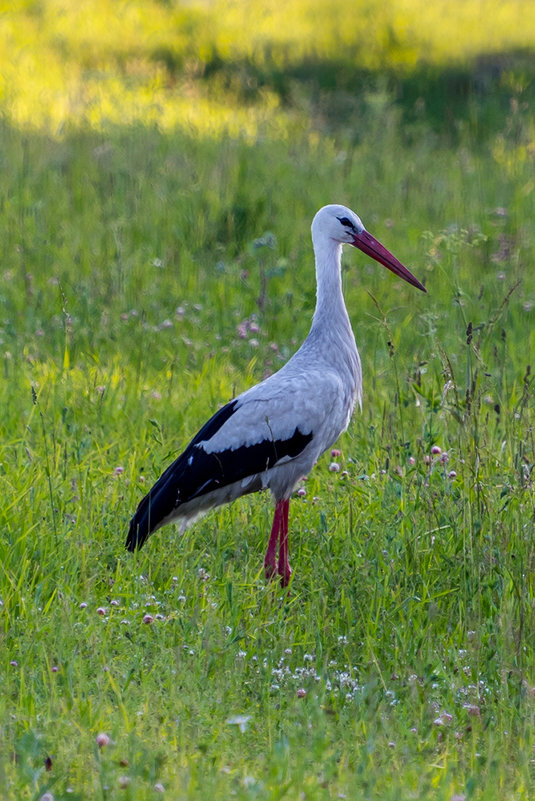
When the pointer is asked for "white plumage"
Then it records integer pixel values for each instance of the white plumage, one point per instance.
(270, 436)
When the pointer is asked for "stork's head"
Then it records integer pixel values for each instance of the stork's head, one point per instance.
(343, 226)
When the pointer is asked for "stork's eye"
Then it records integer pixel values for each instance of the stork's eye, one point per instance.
(346, 221)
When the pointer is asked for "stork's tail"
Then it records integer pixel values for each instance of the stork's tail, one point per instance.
(140, 525)
(156, 507)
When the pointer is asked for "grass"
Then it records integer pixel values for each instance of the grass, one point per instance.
(144, 226)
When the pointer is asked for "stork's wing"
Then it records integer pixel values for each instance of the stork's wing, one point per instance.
(243, 439)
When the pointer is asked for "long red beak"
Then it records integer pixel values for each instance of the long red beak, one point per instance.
(369, 245)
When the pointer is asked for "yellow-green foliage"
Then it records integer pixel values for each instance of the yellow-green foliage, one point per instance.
(98, 61)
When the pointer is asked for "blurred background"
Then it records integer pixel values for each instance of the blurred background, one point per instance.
(145, 147)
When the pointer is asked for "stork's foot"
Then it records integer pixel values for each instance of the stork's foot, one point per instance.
(270, 569)
(286, 575)
(272, 572)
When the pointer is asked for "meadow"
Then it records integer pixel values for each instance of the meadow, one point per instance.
(161, 163)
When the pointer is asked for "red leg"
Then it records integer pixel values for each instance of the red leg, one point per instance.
(284, 568)
(270, 559)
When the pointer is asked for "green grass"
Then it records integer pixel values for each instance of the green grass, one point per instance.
(131, 252)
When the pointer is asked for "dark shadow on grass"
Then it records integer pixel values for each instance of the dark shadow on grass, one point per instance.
(476, 93)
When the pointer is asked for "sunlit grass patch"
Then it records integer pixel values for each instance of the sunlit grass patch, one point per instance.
(222, 68)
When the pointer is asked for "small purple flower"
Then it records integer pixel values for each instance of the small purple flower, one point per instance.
(436, 450)
(334, 467)
(301, 492)
(452, 474)
(102, 610)
(301, 692)
(118, 470)
(148, 619)
(102, 740)
(335, 453)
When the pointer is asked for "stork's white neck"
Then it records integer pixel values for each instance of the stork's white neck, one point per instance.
(330, 306)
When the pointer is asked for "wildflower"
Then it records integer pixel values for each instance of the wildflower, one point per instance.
(118, 470)
(124, 782)
(436, 450)
(335, 453)
(159, 788)
(148, 619)
(301, 492)
(102, 740)
(102, 610)
(83, 605)
(472, 709)
(301, 692)
(334, 467)
(242, 721)
(452, 474)
(443, 719)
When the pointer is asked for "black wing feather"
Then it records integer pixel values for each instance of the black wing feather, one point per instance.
(195, 473)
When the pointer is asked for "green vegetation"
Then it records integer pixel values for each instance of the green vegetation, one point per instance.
(161, 164)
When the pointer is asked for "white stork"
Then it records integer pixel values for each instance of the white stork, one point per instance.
(270, 436)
